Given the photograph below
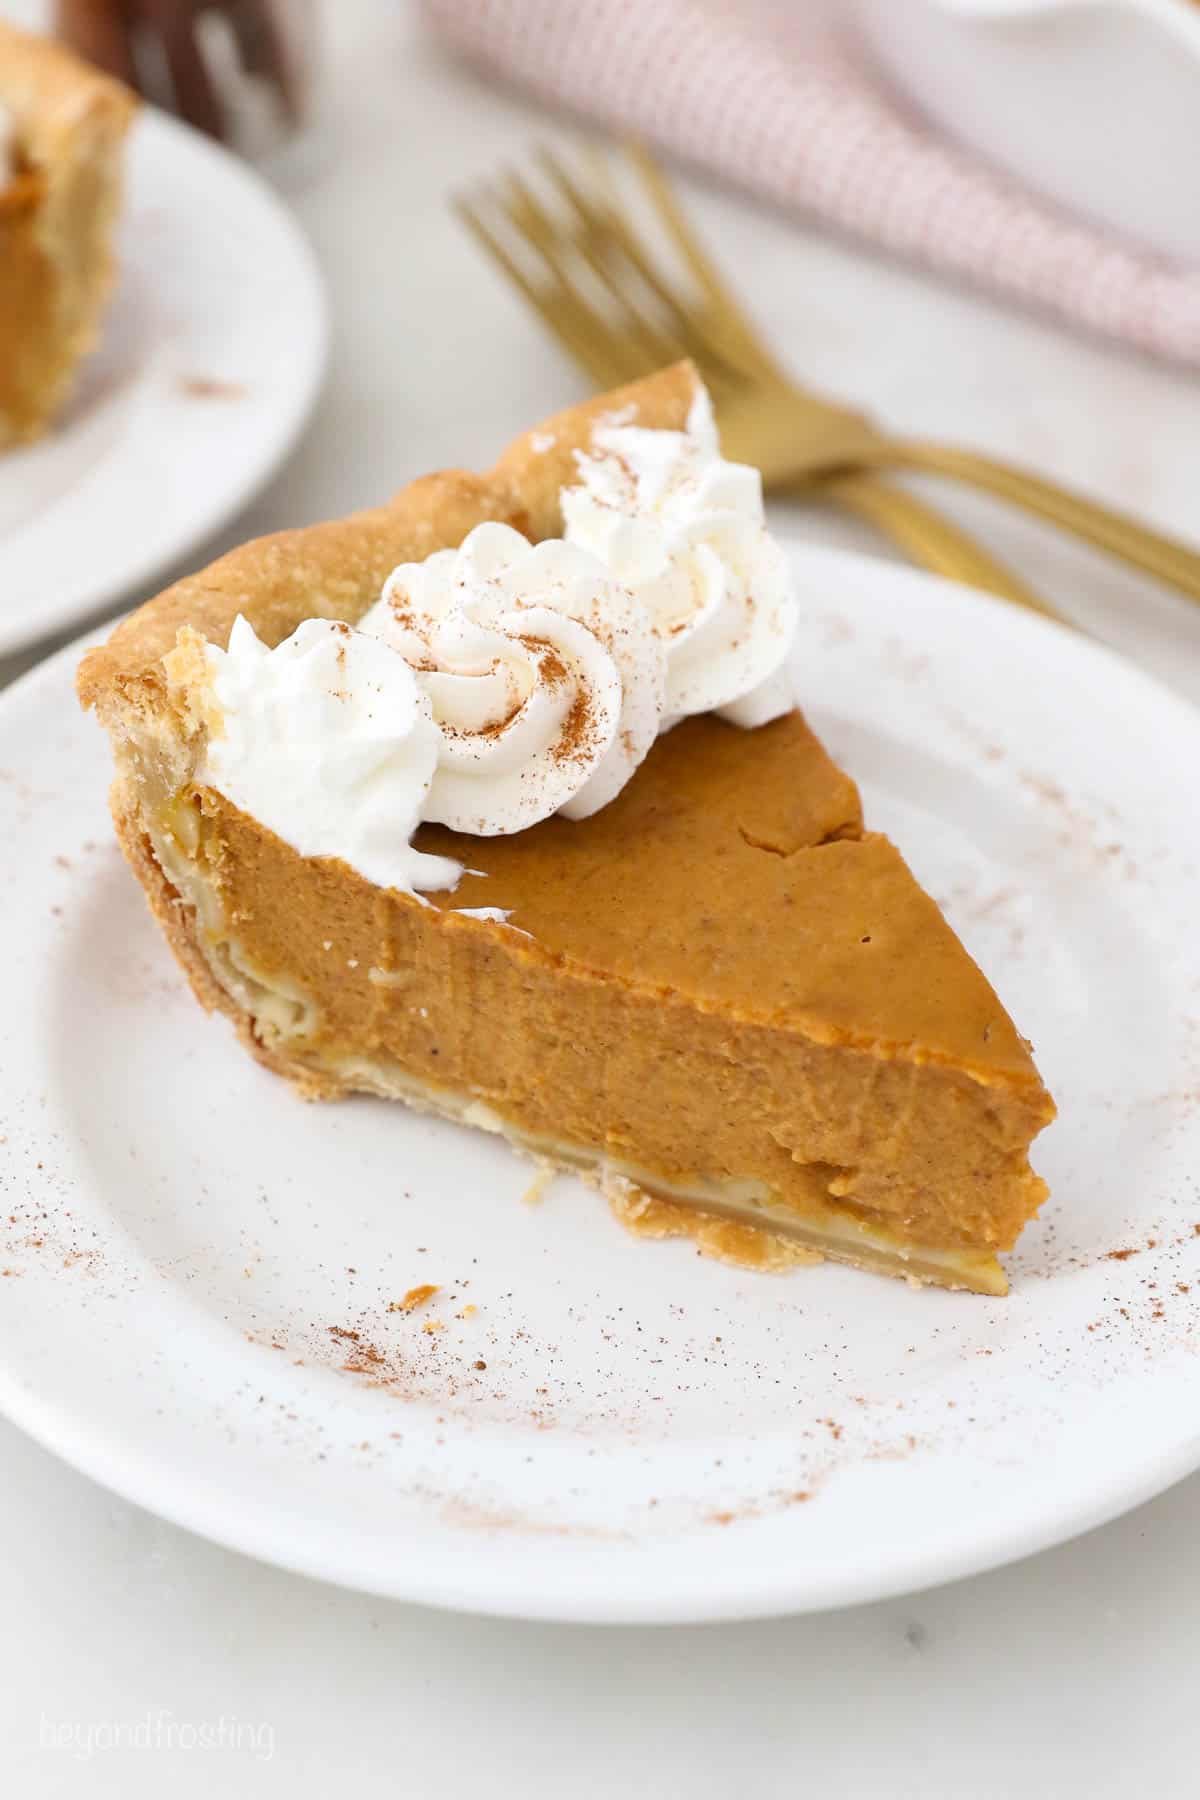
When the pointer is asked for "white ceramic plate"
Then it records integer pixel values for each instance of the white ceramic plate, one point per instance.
(187, 1248)
(210, 360)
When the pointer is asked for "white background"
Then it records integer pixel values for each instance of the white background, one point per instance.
(1071, 1674)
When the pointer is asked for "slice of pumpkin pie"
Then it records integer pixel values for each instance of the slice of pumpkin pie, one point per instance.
(62, 130)
(496, 800)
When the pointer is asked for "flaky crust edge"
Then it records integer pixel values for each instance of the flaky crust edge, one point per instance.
(177, 919)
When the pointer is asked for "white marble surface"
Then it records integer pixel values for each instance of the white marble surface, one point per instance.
(1070, 1674)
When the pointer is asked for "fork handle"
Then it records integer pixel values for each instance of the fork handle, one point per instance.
(1122, 536)
(928, 537)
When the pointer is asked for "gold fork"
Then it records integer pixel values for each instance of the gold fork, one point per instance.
(610, 303)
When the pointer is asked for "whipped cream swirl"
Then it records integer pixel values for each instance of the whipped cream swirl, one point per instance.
(329, 741)
(684, 531)
(544, 677)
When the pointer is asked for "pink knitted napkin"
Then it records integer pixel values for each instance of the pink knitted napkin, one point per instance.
(791, 117)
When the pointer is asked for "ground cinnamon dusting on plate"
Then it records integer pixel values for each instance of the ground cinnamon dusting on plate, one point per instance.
(362, 1356)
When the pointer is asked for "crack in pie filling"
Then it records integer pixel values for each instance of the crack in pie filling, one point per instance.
(497, 801)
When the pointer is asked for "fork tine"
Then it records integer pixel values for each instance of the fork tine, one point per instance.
(598, 356)
(530, 216)
(598, 235)
(603, 220)
(606, 228)
(740, 332)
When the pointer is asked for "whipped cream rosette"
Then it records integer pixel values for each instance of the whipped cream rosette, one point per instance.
(329, 741)
(545, 677)
(684, 530)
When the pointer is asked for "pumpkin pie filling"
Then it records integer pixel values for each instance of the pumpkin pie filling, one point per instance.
(718, 996)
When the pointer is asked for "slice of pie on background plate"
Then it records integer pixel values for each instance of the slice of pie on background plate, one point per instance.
(62, 130)
(719, 995)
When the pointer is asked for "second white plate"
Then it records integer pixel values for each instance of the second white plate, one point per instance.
(197, 1269)
(210, 360)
